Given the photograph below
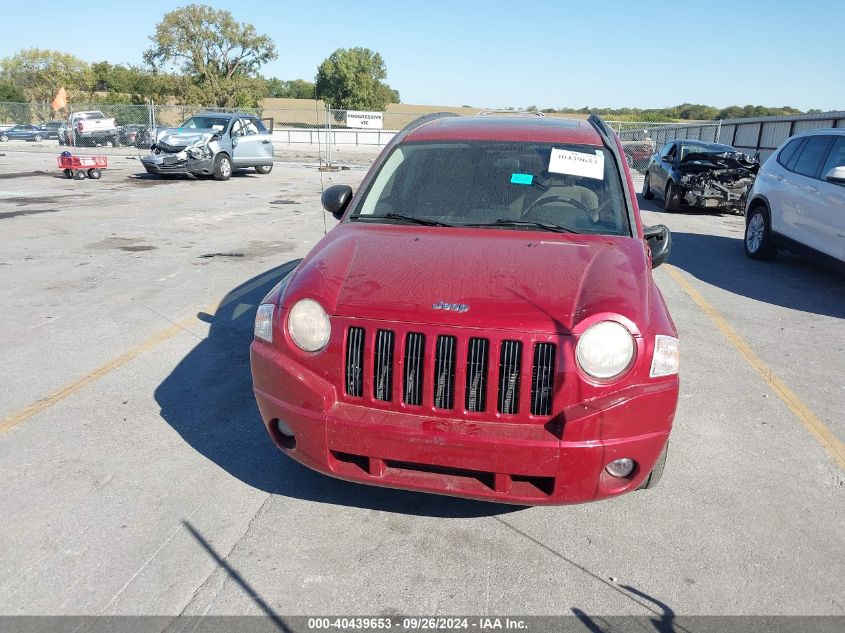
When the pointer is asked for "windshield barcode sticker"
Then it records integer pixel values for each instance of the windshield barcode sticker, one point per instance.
(563, 161)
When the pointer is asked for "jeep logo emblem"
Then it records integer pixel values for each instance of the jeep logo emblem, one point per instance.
(451, 307)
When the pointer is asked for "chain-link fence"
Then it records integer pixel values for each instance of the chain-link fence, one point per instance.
(641, 139)
(304, 132)
(320, 132)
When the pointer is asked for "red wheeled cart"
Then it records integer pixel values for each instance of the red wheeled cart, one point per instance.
(78, 166)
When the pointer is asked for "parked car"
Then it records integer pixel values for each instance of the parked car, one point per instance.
(23, 133)
(798, 200)
(135, 135)
(700, 174)
(51, 129)
(483, 322)
(212, 144)
(638, 147)
(88, 129)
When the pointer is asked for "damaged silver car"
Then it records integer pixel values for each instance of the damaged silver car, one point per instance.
(699, 174)
(212, 144)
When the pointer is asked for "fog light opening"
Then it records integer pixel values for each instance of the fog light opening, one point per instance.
(284, 434)
(622, 467)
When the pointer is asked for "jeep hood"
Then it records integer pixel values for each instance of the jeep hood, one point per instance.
(515, 280)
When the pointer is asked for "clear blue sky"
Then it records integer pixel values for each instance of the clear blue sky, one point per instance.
(494, 54)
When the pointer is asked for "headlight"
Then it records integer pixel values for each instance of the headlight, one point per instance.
(309, 325)
(264, 322)
(667, 356)
(605, 350)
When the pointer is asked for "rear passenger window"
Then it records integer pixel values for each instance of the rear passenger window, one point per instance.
(788, 152)
(811, 157)
(836, 158)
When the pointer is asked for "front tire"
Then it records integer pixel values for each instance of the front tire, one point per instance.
(672, 198)
(648, 194)
(758, 234)
(222, 167)
(657, 472)
(263, 169)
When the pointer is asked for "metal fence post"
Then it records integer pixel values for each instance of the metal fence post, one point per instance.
(328, 135)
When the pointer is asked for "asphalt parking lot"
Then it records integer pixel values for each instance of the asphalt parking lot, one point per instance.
(138, 479)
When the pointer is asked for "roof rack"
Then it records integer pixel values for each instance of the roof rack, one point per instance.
(510, 112)
(422, 120)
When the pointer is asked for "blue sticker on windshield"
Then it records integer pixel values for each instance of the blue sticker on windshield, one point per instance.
(522, 179)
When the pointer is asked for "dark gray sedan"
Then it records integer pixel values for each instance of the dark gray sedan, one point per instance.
(24, 133)
(699, 174)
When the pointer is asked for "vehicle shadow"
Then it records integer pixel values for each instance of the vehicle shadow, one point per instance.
(788, 281)
(208, 400)
(656, 206)
(142, 175)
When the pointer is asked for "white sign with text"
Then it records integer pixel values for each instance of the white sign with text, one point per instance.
(372, 120)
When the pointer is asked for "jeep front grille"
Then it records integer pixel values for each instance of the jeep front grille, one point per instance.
(444, 372)
(355, 361)
(542, 379)
(383, 367)
(477, 351)
(510, 364)
(459, 369)
(414, 351)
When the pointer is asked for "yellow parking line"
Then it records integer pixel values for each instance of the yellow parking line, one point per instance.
(810, 420)
(57, 396)
(156, 339)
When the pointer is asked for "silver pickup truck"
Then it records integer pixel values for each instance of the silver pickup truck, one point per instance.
(212, 144)
(88, 128)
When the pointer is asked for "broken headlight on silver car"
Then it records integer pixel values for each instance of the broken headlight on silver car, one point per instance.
(199, 150)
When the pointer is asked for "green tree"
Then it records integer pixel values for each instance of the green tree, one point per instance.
(10, 92)
(133, 83)
(353, 79)
(40, 73)
(220, 56)
(293, 89)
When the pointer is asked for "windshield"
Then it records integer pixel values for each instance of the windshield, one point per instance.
(206, 123)
(686, 149)
(530, 186)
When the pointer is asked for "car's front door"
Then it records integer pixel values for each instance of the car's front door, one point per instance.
(251, 144)
(830, 203)
(663, 167)
(803, 209)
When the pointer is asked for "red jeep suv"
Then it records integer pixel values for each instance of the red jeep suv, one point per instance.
(483, 321)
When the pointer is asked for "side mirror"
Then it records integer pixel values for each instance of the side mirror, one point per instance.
(668, 159)
(659, 241)
(335, 199)
(234, 141)
(836, 175)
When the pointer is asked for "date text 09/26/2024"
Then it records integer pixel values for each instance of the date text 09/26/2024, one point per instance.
(418, 623)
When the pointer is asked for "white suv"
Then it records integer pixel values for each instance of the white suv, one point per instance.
(798, 199)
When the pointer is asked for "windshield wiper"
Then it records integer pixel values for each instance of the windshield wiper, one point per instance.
(402, 216)
(555, 228)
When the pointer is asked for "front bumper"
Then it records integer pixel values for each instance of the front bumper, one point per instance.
(559, 462)
(179, 163)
